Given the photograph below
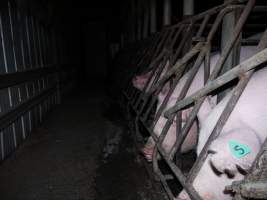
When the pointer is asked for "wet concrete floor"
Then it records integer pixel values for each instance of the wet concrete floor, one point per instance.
(83, 151)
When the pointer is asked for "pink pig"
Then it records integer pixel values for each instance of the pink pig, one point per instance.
(246, 127)
(191, 139)
(197, 83)
(139, 82)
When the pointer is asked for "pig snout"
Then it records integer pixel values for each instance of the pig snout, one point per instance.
(139, 82)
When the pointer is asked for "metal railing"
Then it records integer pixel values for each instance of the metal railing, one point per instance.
(200, 50)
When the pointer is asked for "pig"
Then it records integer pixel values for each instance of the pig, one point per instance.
(245, 128)
(198, 82)
(170, 138)
(139, 82)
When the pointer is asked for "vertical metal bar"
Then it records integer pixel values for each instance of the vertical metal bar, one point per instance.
(228, 25)
(167, 13)
(153, 16)
(9, 136)
(18, 125)
(139, 19)
(188, 8)
(146, 20)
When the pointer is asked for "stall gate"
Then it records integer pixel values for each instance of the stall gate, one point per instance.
(171, 54)
(31, 71)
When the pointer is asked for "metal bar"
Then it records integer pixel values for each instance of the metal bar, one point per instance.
(200, 58)
(167, 12)
(185, 38)
(177, 172)
(11, 79)
(196, 49)
(7, 118)
(203, 25)
(211, 11)
(188, 7)
(234, 98)
(153, 16)
(245, 66)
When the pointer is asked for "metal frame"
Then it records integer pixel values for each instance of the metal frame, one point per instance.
(143, 104)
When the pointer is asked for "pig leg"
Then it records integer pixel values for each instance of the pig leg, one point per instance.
(147, 150)
(189, 142)
(234, 150)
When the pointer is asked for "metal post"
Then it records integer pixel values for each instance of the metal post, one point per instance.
(188, 8)
(153, 16)
(146, 19)
(167, 12)
(139, 19)
(227, 32)
(132, 28)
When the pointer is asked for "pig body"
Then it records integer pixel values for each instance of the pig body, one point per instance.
(245, 126)
(197, 83)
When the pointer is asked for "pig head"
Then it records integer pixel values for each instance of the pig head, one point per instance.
(140, 81)
(232, 153)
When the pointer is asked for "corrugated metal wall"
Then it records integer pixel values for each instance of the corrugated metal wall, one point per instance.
(26, 45)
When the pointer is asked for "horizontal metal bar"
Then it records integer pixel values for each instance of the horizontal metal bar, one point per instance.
(11, 79)
(245, 66)
(9, 117)
(211, 11)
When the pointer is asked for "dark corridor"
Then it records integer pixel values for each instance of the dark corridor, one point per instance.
(72, 141)
(83, 85)
(82, 151)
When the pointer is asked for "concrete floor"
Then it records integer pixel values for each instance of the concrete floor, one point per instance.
(83, 151)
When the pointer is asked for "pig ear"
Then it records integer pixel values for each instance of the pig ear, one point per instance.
(165, 88)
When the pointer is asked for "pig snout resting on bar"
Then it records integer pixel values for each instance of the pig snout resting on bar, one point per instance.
(197, 83)
(232, 153)
(140, 81)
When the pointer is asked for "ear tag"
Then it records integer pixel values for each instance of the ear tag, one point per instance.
(238, 150)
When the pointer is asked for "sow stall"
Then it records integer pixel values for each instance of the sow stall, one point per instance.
(172, 52)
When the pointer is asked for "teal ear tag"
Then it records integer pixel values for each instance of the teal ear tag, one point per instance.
(238, 150)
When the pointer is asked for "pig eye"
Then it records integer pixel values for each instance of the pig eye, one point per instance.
(210, 151)
(242, 170)
(215, 170)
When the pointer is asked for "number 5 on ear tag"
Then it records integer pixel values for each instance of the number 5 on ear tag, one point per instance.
(238, 150)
